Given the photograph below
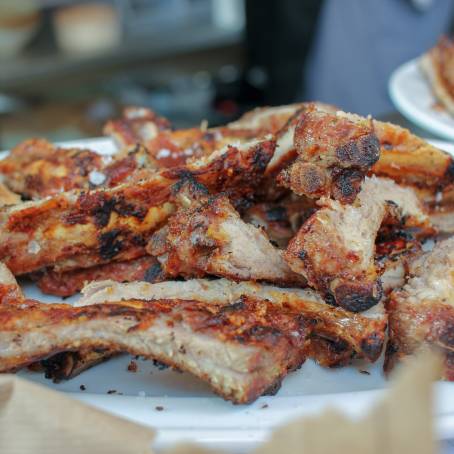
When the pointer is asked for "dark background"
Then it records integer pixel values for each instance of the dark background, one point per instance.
(192, 60)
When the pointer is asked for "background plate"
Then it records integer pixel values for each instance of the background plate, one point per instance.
(191, 412)
(412, 96)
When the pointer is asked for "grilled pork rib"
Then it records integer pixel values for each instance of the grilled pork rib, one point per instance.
(64, 365)
(82, 229)
(36, 168)
(137, 125)
(362, 333)
(421, 314)
(335, 247)
(173, 148)
(410, 160)
(334, 154)
(206, 236)
(242, 350)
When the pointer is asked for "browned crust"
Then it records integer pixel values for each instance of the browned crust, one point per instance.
(195, 243)
(334, 154)
(410, 160)
(36, 168)
(330, 265)
(364, 333)
(414, 326)
(83, 229)
(278, 335)
(173, 148)
(330, 352)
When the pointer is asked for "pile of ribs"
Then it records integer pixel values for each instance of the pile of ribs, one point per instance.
(233, 253)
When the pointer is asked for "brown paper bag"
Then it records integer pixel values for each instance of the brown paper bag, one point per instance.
(401, 423)
(36, 420)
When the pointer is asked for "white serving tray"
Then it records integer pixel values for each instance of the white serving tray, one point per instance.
(411, 94)
(181, 407)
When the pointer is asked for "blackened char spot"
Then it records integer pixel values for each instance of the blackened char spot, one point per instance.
(273, 389)
(309, 176)
(362, 153)
(372, 346)
(259, 332)
(138, 240)
(128, 209)
(102, 212)
(450, 170)
(337, 346)
(391, 355)
(186, 179)
(357, 302)
(109, 244)
(153, 273)
(329, 299)
(356, 298)
(260, 159)
(370, 150)
(347, 184)
(159, 365)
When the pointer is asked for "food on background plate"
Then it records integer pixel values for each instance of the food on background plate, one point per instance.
(437, 66)
(288, 234)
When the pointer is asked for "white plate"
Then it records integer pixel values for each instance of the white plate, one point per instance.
(191, 412)
(413, 97)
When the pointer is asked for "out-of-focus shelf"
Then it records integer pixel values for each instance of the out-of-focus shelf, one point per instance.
(27, 69)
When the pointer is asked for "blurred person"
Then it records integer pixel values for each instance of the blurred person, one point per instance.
(358, 43)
